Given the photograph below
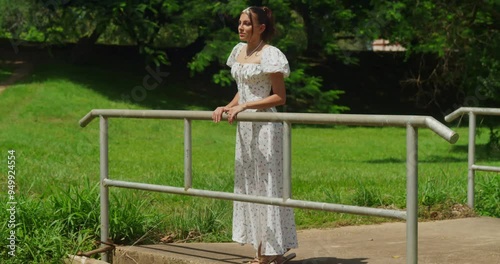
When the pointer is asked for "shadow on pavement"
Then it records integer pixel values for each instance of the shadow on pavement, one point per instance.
(327, 260)
(196, 252)
(225, 256)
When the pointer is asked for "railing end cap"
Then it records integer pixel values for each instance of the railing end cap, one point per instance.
(454, 138)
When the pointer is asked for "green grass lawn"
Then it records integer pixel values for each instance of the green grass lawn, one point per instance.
(57, 164)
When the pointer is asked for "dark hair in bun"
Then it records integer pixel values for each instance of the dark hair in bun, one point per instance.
(264, 16)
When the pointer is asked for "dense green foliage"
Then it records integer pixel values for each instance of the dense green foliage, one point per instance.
(457, 41)
(462, 36)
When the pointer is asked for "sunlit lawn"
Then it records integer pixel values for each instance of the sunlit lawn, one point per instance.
(338, 164)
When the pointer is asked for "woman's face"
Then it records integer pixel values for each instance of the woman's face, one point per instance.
(246, 29)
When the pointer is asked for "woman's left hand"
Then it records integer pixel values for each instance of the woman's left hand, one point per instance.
(233, 112)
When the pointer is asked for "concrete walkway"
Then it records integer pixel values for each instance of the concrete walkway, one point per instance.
(459, 241)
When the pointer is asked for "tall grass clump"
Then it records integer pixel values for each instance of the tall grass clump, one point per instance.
(40, 237)
(367, 195)
(431, 193)
(132, 221)
(487, 200)
(200, 222)
(62, 222)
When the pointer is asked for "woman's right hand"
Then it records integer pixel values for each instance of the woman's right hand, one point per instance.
(217, 114)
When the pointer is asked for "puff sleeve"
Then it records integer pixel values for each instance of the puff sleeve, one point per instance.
(234, 53)
(273, 60)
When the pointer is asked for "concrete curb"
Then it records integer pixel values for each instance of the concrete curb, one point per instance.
(73, 259)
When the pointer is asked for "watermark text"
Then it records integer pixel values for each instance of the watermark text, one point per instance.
(11, 202)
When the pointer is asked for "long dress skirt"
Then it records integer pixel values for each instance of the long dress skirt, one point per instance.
(259, 171)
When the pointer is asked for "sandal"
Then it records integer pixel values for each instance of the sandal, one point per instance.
(279, 259)
(261, 259)
(264, 260)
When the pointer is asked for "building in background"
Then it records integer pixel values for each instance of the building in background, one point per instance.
(384, 45)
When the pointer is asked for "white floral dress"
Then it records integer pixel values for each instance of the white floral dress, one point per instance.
(259, 160)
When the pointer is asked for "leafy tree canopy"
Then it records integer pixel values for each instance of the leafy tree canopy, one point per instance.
(464, 38)
(460, 37)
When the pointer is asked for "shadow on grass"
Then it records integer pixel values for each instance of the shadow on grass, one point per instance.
(168, 91)
(122, 75)
(483, 152)
(431, 159)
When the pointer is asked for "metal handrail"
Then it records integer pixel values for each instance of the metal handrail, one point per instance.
(476, 110)
(300, 118)
(471, 156)
(410, 122)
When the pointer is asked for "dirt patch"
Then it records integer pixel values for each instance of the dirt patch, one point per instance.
(446, 212)
(21, 70)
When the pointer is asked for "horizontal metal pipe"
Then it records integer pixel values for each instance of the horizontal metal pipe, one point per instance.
(485, 168)
(476, 110)
(298, 118)
(305, 118)
(261, 199)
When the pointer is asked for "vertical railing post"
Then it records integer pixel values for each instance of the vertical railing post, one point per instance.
(188, 158)
(287, 160)
(472, 159)
(411, 194)
(104, 191)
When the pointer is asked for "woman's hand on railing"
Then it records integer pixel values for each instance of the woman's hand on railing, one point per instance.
(217, 114)
(233, 112)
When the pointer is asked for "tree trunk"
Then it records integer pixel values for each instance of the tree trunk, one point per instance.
(81, 52)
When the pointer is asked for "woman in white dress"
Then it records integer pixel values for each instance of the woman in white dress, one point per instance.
(259, 70)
